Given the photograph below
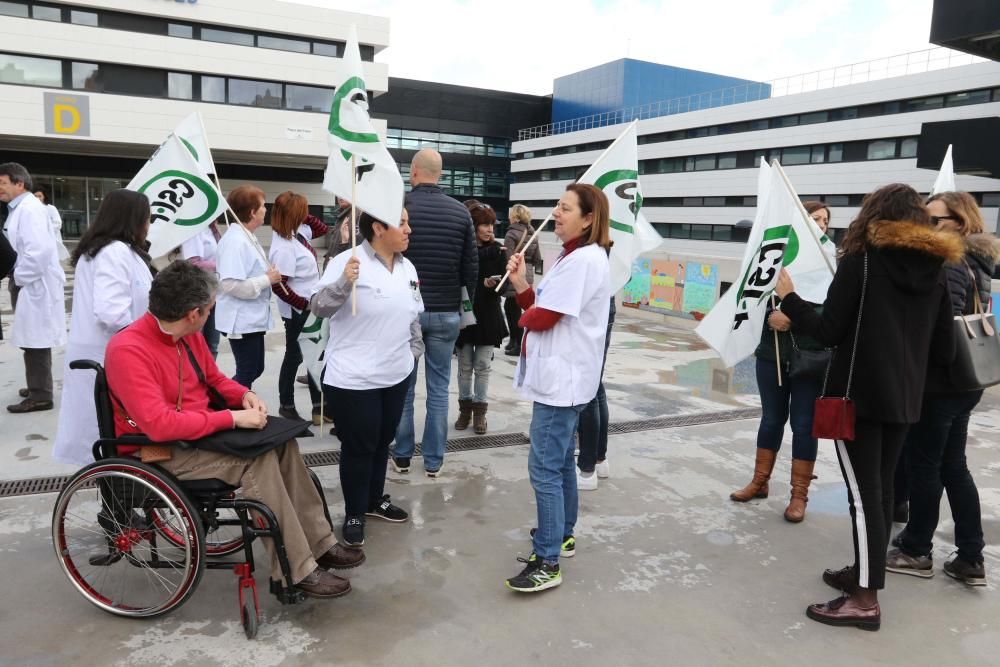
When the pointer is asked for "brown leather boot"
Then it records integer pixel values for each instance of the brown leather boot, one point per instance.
(757, 488)
(802, 476)
(479, 417)
(464, 415)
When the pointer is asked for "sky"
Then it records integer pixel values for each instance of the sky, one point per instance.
(522, 45)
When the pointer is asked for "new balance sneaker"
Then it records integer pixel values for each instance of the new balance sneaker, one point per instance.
(568, 547)
(586, 481)
(602, 469)
(387, 511)
(967, 573)
(401, 464)
(916, 566)
(536, 576)
(354, 531)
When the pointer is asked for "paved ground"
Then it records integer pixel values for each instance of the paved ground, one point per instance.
(667, 571)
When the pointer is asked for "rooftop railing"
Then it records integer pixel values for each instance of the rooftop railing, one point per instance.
(916, 62)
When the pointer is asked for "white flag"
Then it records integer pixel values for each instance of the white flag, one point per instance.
(379, 185)
(191, 132)
(616, 173)
(312, 341)
(182, 198)
(945, 181)
(782, 236)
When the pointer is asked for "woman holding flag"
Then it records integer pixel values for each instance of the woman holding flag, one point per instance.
(565, 322)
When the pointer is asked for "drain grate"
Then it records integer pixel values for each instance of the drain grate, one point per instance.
(329, 457)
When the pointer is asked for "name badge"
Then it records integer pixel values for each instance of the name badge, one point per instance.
(415, 290)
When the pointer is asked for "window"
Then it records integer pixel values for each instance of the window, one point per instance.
(682, 231)
(83, 18)
(796, 155)
(836, 200)
(255, 93)
(704, 162)
(180, 30)
(308, 98)
(45, 13)
(701, 232)
(881, 150)
(844, 114)
(714, 201)
(213, 89)
(760, 124)
(991, 199)
(325, 49)
(19, 9)
(924, 103)
(816, 117)
(283, 44)
(786, 121)
(30, 71)
(86, 76)
(908, 147)
(692, 201)
(227, 36)
(835, 153)
(750, 201)
(180, 86)
(974, 97)
(727, 161)
(818, 154)
(722, 233)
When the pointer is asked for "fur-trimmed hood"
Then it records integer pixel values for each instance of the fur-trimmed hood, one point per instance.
(984, 249)
(914, 253)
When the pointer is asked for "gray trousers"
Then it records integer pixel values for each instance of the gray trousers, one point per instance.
(37, 361)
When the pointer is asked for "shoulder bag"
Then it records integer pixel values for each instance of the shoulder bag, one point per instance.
(834, 416)
(977, 347)
(807, 364)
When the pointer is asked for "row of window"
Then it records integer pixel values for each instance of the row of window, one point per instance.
(465, 183)
(161, 26)
(980, 96)
(444, 142)
(850, 151)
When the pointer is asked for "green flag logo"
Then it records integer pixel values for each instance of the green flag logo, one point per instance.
(621, 187)
(180, 198)
(352, 91)
(778, 248)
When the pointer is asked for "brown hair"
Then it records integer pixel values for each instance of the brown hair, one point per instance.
(963, 206)
(482, 214)
(592, 200)
(813, 206)
(896, 202)
(244, 200)
(287, 213)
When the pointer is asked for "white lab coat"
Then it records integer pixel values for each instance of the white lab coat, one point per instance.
(110, 292)
(55, 223)
(40, 317)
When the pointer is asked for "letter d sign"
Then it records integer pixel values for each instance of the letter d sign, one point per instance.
(67, 115)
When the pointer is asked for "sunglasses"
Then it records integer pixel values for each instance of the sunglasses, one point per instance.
(938, 218)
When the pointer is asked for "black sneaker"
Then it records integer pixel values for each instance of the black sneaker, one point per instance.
(536, 576)
(967, 573)
(354, 531)
(387, 511)
(568, 547)
(401, 464)
(289, 412)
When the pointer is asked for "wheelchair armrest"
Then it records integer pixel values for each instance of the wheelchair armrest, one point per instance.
(108, 447)
(84, 364)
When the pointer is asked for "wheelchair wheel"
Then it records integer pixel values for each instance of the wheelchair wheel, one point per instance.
(249, 617)
(105, 537)
(221, 541)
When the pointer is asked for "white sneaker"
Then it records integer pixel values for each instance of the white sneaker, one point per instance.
(602, 469)
(586, 481)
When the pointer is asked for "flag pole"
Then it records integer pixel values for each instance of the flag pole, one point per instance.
(354, 225)
(810, 223)
(777, 350)
(583, 176)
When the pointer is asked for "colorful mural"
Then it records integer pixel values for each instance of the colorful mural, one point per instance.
(667, 286)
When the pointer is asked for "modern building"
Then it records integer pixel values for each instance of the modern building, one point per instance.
(88, 88)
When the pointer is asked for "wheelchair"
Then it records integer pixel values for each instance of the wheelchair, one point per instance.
(134, 540)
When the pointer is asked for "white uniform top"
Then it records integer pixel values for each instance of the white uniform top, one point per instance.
(55, 221)
(241, 257)
(563, 364)
(202, 244)
(40, 315)
(296, 261)
(372, 349)
(110, 292)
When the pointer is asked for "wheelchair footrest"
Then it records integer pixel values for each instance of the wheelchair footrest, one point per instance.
(286, 595)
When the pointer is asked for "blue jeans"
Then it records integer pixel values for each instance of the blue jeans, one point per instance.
(440, 331)
(553, 476)
(797, 398)
(474, 360)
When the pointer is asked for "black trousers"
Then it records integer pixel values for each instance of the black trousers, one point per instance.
(366, 421)
(513, 313)
(248, 351)
(868, 464)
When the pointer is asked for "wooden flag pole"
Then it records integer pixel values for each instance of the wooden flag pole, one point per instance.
(354, 224)
(777, 350)
(810, 223)
(524, 249)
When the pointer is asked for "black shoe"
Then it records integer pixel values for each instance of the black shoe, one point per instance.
(289, 412)
(967, 573)
(354, 531)
(513, 351)
(901, 512)
(401, 464)
(845, 579)
(302, 379)
(568, 547)
(387, 511)
(536, 576)
(29, 405)
(333, 431)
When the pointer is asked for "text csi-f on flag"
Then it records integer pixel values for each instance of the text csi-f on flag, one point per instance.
(781, 236)
(182, 198)
(616, 173)
(379, 189)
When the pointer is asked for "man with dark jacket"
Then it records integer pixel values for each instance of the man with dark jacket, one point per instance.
(443, 250)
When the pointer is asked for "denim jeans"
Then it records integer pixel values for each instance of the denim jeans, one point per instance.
(936, 463)
(440, 331)
(292, 360)
(593, 429)
(249, 353)
(553, 476)
(474, 359)
(796, 398)
(211, 334)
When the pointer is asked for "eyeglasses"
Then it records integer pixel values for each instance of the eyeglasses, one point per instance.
(938, 218)
(485, 207)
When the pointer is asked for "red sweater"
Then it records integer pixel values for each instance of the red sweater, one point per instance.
(540, 319)
(141, 363)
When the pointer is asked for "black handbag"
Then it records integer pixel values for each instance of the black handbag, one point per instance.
(977, 347)
(807, 364)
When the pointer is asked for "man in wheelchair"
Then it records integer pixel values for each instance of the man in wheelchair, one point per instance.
(164, 382)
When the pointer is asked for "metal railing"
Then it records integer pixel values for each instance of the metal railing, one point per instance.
(916, 62)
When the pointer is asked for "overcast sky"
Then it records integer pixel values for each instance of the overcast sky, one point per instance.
(522, 45)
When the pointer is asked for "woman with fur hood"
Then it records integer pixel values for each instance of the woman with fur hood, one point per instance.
(894, 258)
(935, 446)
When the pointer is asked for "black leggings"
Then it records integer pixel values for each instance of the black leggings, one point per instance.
(868, 464)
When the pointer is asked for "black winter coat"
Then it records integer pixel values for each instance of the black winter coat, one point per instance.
(491, 326)
(982, 252)
(906, 319)
(442, 248)
(765, 349)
